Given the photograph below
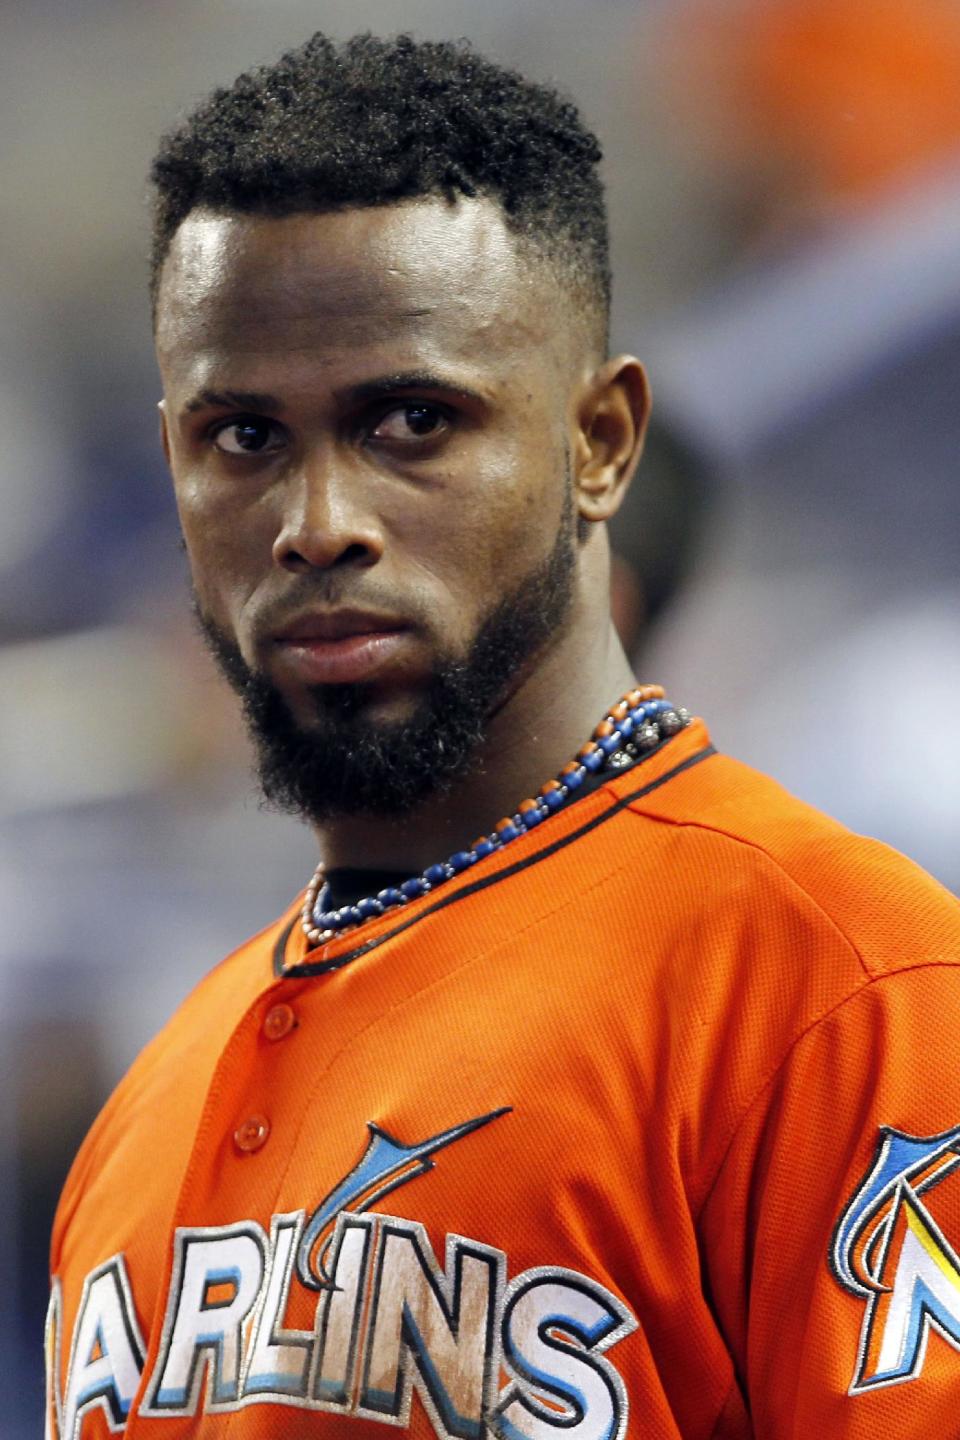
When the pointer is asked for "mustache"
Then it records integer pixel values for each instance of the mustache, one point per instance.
(330, 592)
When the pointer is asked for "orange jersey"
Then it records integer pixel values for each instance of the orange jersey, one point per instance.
(646, 1126)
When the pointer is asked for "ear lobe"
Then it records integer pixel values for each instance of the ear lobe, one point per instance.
(612, 422)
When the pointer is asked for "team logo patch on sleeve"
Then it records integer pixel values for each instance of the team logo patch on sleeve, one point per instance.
(890, 1251)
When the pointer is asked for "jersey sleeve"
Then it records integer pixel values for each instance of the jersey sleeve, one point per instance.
(831, 1235)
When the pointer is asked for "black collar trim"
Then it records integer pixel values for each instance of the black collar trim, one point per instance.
(307, 968)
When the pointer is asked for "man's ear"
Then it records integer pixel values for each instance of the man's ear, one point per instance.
(164, 436)
(612, 417)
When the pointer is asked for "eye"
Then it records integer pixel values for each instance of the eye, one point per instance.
(413, 421)
(250, 435)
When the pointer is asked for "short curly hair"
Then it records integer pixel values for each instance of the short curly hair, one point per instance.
(372, 121)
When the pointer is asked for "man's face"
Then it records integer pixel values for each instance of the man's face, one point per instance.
(367, 415)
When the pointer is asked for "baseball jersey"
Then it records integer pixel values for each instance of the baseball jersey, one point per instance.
(648, 1125)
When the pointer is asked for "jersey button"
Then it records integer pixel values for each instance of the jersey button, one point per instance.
(278, 1021)
(252, 1133)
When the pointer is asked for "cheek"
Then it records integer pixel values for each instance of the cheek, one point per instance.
(228, 544)
(518, 511)
(482, 538)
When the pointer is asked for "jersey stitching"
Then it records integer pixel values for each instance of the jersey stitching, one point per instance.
(792, 880)
(781, 1064)
(870, 976)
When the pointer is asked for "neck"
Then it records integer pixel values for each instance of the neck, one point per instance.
(545, 719)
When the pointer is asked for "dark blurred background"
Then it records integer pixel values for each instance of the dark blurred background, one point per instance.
(784, 183)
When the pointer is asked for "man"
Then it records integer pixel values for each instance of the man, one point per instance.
(636, 1115)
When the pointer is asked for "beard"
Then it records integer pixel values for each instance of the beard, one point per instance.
(344, 762)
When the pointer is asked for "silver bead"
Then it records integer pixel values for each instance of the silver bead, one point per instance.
(669, 722)
(618, 759)
(648, 736)
(683, 716)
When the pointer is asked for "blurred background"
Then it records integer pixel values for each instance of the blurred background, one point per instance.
(784, 185)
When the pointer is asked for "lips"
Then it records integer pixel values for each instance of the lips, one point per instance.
(340, 647)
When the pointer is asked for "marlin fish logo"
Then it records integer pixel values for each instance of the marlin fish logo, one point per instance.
(384, 1165)
(888, 1250)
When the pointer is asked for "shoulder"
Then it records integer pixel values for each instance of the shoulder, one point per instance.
(172, 1073)
(793, 956)
(749, 841)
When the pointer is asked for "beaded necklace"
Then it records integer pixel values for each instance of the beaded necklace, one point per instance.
(641, 720)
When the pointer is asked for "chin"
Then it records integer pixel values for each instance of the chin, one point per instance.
(314, 708)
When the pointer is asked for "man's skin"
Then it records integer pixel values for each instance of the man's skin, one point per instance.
(341, 511)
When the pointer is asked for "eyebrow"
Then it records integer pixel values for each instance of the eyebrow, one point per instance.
(385, 385)
(375, 389)
(233, 400)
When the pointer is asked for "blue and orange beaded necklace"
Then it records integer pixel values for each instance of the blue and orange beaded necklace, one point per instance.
(638, 724)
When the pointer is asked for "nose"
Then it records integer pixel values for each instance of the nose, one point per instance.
(327, 520)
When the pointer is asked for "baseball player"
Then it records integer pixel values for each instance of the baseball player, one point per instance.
(592, 1086)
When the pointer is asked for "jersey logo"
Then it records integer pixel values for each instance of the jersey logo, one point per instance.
(889, 1251)
(385, 1164)
(348, 1310)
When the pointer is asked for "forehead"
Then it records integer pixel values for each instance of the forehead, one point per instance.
(431, 279)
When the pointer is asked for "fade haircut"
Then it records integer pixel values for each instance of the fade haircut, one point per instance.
(374, 121)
